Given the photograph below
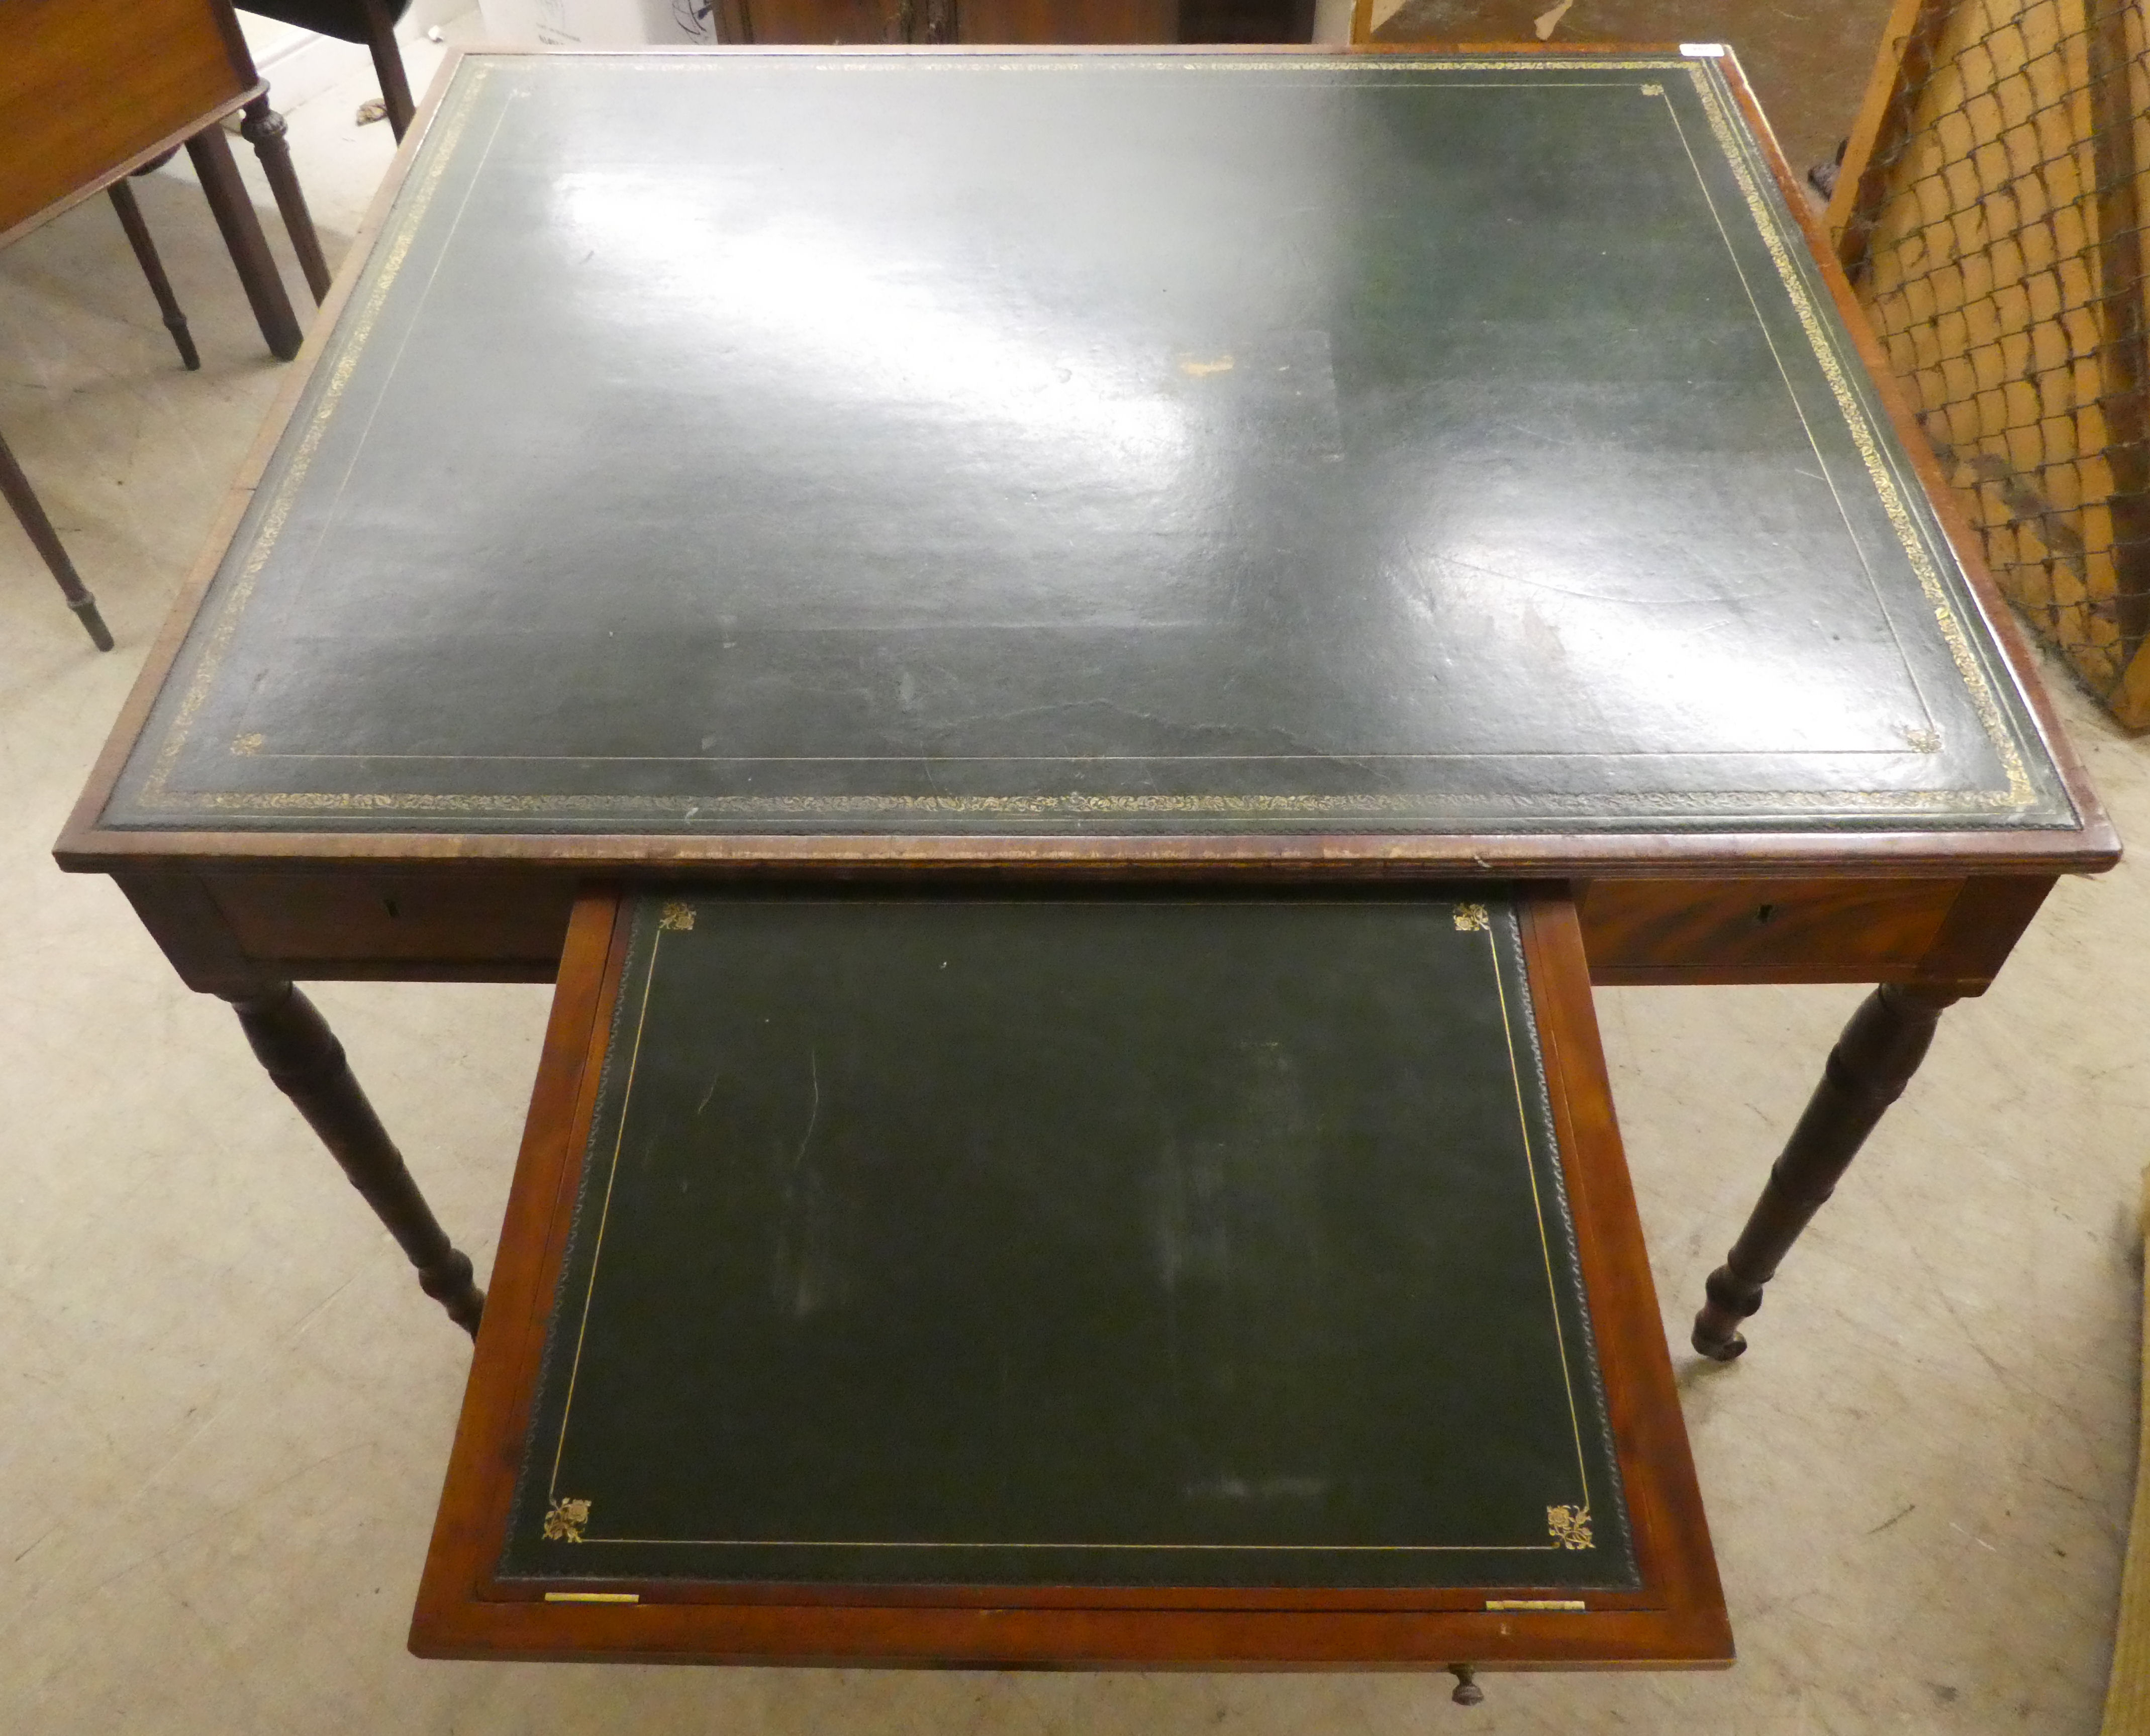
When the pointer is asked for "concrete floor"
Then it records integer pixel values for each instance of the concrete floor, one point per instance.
(227, 1408)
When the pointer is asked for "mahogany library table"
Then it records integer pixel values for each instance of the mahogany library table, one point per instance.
(943, 472)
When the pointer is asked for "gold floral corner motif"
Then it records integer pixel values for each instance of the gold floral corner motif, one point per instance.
(564, 1522)
(1570, 1526)
(1653, 90)
(248, 744)
(1923, 741)
(1470, 917)
(678, 917)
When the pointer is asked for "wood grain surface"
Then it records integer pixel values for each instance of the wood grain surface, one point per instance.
(91, 88)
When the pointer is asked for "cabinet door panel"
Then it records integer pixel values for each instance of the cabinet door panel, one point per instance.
(1031, 22)
(821, 20)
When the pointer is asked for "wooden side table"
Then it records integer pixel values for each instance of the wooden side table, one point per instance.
(92, 91)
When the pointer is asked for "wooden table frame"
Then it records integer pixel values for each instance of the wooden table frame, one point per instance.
(1929, 916)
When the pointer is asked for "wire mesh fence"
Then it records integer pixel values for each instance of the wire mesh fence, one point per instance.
(1991, 217)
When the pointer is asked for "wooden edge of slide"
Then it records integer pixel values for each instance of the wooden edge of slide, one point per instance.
(1677, 1619)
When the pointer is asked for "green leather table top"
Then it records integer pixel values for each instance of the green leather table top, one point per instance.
(1164, 442)
(1112, 1241)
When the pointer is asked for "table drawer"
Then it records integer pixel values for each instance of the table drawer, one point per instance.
(426, 923)
(398, 923)
(1760, 931)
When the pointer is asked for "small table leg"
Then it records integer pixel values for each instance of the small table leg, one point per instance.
(1867, 1071)
(264, 130)
(388, 67)
(153, 268)
(244, 240)
(15, 490)
(304, 1057)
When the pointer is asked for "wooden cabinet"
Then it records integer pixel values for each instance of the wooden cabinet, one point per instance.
(1023, 22)
(1066, 21)
(816, 21)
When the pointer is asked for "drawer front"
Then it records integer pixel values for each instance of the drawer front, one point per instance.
(393, 924)
(1760, 931)
(512, 927)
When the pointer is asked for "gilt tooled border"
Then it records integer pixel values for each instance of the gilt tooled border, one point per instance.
(1710, 90)
(1543, 1152)
(1434, 809)
(1593, 1368)
(441, 145)
(635, 974)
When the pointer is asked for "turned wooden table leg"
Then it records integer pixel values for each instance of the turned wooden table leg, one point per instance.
(1867, 1071)
(304, 1057)
(233, 211)
(15, 490)
(264, 130)
(153, 268)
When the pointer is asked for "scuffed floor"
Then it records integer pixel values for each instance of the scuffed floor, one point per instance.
(227, 1406)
